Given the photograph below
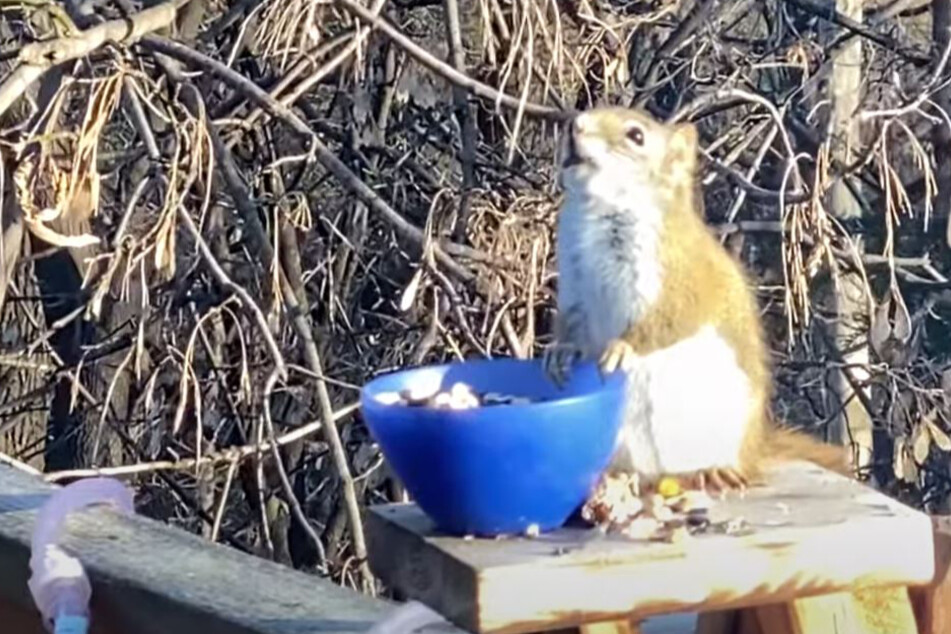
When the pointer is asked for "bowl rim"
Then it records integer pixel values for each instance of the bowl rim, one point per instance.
(367, 392)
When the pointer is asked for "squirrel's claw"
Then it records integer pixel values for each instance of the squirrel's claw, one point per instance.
(557, 362)
(721, 479)
(618, 355)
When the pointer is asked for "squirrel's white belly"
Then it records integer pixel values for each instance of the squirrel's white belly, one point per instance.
(688, 408)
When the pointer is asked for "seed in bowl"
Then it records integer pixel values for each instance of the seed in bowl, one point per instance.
(459, 396)
(419, 395)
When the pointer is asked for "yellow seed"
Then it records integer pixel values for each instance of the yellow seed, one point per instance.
(669, 487)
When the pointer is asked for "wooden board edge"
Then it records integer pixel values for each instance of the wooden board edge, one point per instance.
(407, 563)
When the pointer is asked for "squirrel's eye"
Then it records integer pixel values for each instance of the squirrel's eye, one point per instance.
(636, 135)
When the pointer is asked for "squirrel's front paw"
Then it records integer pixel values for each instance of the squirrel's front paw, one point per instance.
(618, 355)
(557, 361)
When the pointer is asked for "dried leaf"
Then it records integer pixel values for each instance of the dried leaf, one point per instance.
(880, 329)
(902, 320)
(922, 443)
(890, 333)
(46, 234)
(903, 462)
(937, 434)
(911, 470)
(165, 248)
(898, 458)
(102, 103)
(47, 214)
(409, 294)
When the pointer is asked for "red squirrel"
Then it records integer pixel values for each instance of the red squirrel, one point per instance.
(645, 287)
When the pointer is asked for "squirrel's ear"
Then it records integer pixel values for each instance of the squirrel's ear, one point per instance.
(682, 147)
(684, 138)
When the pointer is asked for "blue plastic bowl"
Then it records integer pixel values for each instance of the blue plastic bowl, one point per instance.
(499, 469)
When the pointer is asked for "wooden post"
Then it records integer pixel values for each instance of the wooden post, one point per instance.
(932, 603)
(849, 301)
(878, 611)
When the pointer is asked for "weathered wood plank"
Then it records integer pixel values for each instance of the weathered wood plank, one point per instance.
(151, 578)
(814, 533)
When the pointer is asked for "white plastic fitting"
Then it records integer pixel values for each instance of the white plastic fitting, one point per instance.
(58, 582)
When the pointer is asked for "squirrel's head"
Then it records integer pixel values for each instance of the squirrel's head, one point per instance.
(627, 147)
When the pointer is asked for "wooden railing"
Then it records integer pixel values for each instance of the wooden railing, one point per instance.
(149, 578)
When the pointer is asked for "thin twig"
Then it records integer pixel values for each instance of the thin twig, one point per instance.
(290, 293)
(292, 290)
(829, 13)
(338, 59)
(211, 458)
(449, 73)
(282, 473)
(464, 116)
(322, 153)
(37, 58)
(246, 300)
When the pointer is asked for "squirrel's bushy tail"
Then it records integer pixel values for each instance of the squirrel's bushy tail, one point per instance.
(783, 444)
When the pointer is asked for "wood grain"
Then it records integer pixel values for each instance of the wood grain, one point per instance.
(151, 578)
(814, 532)
(842, 613)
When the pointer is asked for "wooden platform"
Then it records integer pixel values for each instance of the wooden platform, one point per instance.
(813, 532)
